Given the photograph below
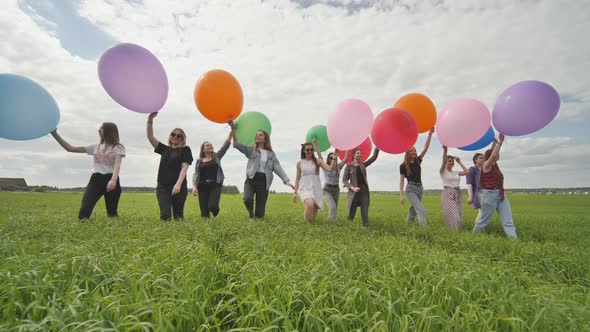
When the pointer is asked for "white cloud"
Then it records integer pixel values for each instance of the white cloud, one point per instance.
(296, 62)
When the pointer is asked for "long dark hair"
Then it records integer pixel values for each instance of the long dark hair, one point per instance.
(202, 153)
(407, 163)
(110, 134)
(487, 155)
(267, 145)
(315, 161)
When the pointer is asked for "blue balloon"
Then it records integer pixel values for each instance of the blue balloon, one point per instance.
(481, 143)
(27, 110)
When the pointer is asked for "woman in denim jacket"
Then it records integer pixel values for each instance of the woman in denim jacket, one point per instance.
(262, 162)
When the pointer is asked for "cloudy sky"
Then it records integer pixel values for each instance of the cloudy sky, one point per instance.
(296, 60)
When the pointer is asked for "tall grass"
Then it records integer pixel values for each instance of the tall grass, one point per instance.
(137, 273)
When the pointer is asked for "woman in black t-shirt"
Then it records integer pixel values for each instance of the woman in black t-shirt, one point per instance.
(411, 169)
(174, 162)
(208, 177)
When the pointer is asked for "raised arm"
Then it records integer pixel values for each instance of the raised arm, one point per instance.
(316, 148)
(221, 152)
(334, 163)
(343, 162)
(487, 165)
(444, 159)
(150, 130)
(371, 160)
(427, 144)
(67, 146)
(465, 169)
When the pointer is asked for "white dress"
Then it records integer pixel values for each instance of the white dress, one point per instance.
(310, 185)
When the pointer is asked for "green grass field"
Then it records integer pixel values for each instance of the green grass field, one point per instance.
(232, 273)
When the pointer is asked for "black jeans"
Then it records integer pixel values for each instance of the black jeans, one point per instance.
(362, 199)
(256, 186)
(167, 202)
(209, 196)
(96, 188)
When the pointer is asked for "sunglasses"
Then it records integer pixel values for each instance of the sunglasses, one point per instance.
(308, 150)
(174, 135)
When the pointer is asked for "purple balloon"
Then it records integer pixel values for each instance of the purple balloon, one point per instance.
(134, 78)
(525, 107)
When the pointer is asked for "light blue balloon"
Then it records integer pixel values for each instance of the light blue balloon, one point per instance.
(27, 110)
(481, 143)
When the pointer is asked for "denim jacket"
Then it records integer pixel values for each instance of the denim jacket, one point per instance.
(218, 155)
(272, 164)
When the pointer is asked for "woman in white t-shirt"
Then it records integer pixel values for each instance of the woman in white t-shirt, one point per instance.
(105, 174)
(451, 194)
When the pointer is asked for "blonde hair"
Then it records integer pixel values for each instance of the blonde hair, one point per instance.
(183, 137)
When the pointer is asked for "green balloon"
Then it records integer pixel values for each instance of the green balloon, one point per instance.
(248, 125)
(319, 132)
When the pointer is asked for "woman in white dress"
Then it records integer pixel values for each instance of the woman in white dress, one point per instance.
(307, 182)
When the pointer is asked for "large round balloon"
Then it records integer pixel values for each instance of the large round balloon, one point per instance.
(525, 107)
(319, 132)
(27, 110)
(420, 108)
(134, 78)
(394, 131)
(365, 148)
(486, 140)
(218, 96)
(462, 122)
(248, 125)
(350, 124)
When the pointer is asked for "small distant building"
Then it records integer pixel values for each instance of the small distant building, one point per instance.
(13, 184)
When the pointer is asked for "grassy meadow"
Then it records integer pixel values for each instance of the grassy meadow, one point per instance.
(136, 273)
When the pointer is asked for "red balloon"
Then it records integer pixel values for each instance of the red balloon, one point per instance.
(394, 131)
(365, 147)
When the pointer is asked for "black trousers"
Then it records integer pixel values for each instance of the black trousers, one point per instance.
(169, 203)
(96, 188)
(362, 199)
(256, 186)
(209, 197)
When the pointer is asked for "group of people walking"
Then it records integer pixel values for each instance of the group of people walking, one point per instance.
(484, 179)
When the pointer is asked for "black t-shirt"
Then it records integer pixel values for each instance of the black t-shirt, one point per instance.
(414, 168)
(360, 179)
(208, 171)
(171, 163)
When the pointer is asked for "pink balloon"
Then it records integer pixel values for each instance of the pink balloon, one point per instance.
(462, 122)
(394, 131)
(350, 124)
(365, 147)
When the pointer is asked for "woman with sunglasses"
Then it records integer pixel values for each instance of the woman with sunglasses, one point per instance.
(262, 162)
(104, 181)
(307, 182)
(451, 194)
(208, 177)
(174, 162)
(355, 179)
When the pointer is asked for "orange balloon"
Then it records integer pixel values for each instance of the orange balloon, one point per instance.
(420, 108)
(218, 96)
